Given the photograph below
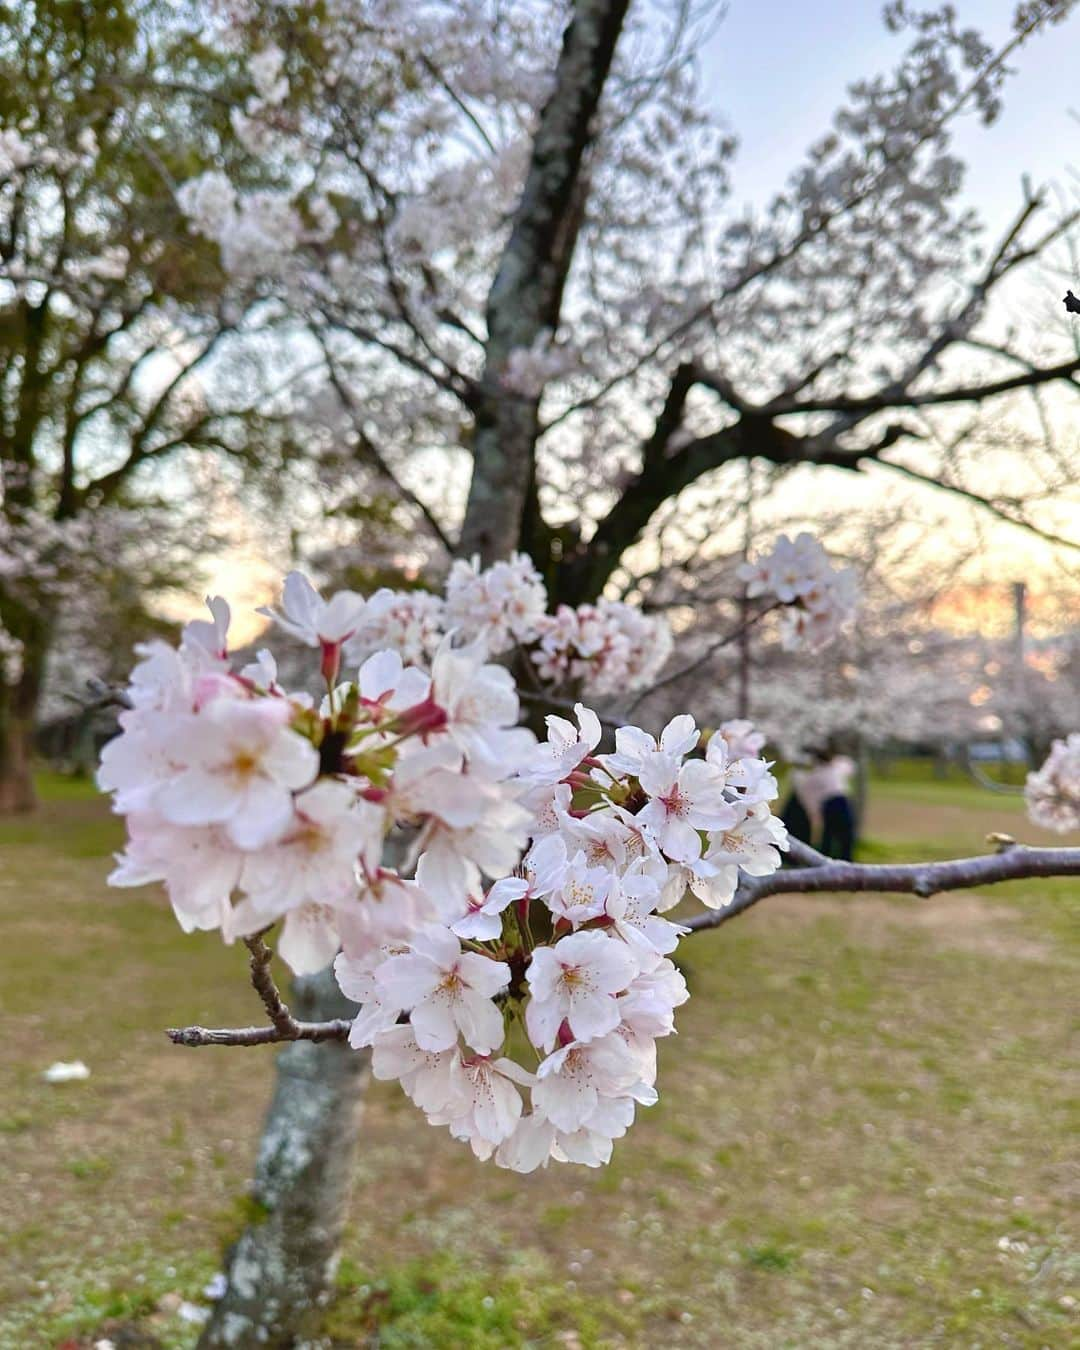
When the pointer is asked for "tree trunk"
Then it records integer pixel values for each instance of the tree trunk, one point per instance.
(526, 294)
(16, 780)
(18, 713)
(281, 1269)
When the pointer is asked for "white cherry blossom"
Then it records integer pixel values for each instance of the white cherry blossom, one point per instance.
(446, 991)
(576, 981)
(243, 766)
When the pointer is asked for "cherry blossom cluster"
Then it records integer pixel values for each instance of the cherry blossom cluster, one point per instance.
(514, 969)
(603, 649)
(529, 369)
(1053, 791)
(609, 647)
(255, 805)
(534, 1002)
(503, 604)
(817, 598)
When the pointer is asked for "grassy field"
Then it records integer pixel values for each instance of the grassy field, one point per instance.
(867, 1133)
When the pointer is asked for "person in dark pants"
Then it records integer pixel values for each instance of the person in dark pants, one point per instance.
(797, 819)
(838, 827)
(823, 792)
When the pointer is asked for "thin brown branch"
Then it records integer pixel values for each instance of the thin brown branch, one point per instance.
(265, 986)
(919, 879)
(283, 1025)
(988, 503)
(726, 640)
(815, 873)
(336, 1030)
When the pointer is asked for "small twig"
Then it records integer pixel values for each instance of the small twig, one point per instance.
(802, 855)
(336, 1030)
(284, 1026)
(276, 1007)
(102, 695)
(732, 635)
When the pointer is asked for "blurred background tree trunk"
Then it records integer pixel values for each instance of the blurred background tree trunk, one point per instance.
(18, 713)
(281, 1268)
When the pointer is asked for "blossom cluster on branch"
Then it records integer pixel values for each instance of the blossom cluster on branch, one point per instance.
(1053, 791)
(817, 599)
(515, 981)
(601, 649)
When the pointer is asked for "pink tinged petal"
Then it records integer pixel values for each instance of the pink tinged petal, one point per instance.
(612, 966)
(546, 864)
(509, 1068)
(395, 1053)
(542, 1021)
(478, 926)
(585, 1147)
(497, 1119)
(309, 939)
(448, 796)
(355, 978)
(413, 688)
(529, 1147)
(407, 980)
(591, 730)
(446, 879)
(681, 841)
(341, 616)
(613, 1116)
(290, 760)
(566, 1099)
(561, 733)
(379, 674)
(543, 973)
(679, 736)
(197, 797)
(438, 945)
(432, 1087)
(372, 1019)
(503, 893)
(659, 775)
(644, 1094)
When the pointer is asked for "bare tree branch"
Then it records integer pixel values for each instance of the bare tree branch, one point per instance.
(920, 879)
(283, 1026)
(816, 873)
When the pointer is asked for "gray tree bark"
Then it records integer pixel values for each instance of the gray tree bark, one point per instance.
(282, 1267)
(526, 295)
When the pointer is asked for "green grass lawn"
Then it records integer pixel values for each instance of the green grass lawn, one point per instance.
(866, 1135)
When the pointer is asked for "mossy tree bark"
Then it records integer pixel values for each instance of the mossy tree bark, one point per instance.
(282, 1267)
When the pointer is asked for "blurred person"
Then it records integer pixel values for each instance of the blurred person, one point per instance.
(796, 813)
(823, 791)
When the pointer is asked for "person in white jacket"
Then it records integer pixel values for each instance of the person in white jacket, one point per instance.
(823, 790)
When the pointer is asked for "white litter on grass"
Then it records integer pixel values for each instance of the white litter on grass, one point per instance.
(104, 1345)
(191, 1312)
(61, 1072)
(216, 1288)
